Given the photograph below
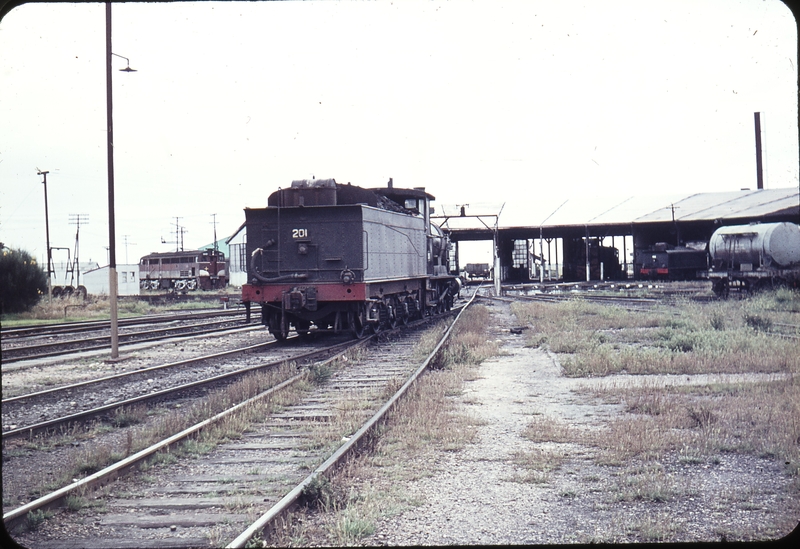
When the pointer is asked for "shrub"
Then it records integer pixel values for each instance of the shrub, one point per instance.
(22, 281)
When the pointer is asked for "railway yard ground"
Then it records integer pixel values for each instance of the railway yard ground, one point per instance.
(541, 423)
(524, 452)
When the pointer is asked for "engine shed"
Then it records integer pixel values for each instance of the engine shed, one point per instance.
(597, 238)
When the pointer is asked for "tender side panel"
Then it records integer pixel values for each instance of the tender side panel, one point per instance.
(395, 245)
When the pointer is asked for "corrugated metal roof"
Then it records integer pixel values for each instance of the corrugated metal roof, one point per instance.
(601, 210)
(711, 206)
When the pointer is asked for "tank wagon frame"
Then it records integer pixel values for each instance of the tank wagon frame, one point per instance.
(325, 256)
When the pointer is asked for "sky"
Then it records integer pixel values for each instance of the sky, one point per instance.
(511, 106)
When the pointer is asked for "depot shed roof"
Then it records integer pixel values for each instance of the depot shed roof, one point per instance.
(695, 207)
(615, 212)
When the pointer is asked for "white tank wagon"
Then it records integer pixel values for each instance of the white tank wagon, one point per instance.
(754, 257)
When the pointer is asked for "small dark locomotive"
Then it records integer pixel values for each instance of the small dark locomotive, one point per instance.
(754, 257)
(341, 258)
(664, 261)
(183, 271)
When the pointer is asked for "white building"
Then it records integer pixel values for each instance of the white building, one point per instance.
(96, 280)
(237, 271)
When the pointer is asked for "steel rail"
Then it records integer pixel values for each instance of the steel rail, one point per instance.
(352, 443)
(86, 414)
(106, 475)
(185, 362)
(131, 340)
(88, 325)
(118, 469)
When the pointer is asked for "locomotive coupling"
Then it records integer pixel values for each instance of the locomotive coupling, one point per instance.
(297, 299)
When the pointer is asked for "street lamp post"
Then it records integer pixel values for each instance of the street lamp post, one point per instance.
(47, 234)
(112, 252)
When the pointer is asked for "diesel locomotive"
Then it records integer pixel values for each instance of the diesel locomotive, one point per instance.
(183, 270)
(330, 257)
(754, 257)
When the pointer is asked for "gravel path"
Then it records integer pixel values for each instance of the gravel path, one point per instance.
(482, 495)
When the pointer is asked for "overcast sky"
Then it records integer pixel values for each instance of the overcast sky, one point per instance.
(522, 103)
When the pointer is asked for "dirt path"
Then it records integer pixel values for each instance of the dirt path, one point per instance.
(502, 490)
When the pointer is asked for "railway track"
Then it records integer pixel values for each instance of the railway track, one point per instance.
(221, 495)
(29, 347)
(56, 409)
(629, 303)
(58, 328)
(644, 304)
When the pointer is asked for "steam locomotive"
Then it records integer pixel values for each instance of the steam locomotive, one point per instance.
(342, 258)
(664, 261)
(754, 257)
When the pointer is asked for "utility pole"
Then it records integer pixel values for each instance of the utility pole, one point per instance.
(214, 216)
(759, 164)
(47, 233)
(675, 224)
(77, 219)
(178, 234)
(125, 236)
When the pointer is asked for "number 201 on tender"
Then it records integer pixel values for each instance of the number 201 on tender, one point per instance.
(299, 233)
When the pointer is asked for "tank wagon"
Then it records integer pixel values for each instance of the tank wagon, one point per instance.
(664, 261)
(183, 270)
(326, 256)
(754, 257)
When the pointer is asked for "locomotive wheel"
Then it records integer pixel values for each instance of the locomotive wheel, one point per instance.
(387, 315)
(180, 284)
(191, 284)
(303, 328)
(274, 326)
(402, 313)
(357, 321)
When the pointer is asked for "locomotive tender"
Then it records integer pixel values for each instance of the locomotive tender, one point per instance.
(754, 257)
(342, 258)
(183, 270)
